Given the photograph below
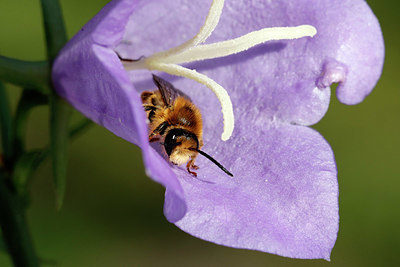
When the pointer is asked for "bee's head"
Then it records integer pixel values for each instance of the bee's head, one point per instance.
(180, 145)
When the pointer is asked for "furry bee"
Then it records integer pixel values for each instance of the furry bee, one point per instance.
(176, 123)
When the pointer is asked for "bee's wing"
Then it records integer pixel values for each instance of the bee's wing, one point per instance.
(168, 92)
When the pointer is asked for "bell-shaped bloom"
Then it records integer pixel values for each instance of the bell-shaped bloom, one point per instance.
(283, 198)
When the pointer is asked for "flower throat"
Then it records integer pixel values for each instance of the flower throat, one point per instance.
(193, 50)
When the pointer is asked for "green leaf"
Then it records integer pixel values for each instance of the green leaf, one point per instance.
(59, 120)
(56, 35)
(25, 168)
(7, 135)
(30, 74)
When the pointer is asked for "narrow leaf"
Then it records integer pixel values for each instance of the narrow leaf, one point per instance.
(59, 119)
(60, 112)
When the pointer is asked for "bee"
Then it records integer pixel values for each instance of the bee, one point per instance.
(176, 123)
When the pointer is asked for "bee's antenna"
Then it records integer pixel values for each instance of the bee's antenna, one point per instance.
(213, 160)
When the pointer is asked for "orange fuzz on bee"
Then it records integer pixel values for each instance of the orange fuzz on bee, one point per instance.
(176, 123)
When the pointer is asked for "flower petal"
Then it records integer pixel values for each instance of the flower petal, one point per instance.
(282, 199)
(288, 80)
(89, 75)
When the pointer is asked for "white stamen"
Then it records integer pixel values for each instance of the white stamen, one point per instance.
(205, 31)
(191, 50)
(234, 46)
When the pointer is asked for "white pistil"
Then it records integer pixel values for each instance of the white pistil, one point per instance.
(166, 61)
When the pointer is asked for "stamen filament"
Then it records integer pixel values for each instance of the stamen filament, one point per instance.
(234, 46)
(205, 31)
(218, 90)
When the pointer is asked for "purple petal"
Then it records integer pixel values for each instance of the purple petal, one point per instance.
(90, 76)
(282, 199)
(289, 79)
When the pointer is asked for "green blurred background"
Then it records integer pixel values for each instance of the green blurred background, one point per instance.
(112, 214)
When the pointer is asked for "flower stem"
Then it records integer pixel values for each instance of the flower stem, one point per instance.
(56, 35)
(29, 100)
(30, 74)
(79, 127)
(7, 133)
(14, 227)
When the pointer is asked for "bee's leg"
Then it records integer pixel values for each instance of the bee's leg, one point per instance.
(189, 165)
(154, 138)
(157, 133)
(195, 167)
(191, 162)
(189, 171)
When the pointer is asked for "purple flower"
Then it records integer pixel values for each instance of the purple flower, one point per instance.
(283, 197)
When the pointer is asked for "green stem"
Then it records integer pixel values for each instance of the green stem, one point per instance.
(56, 35)
(14, 226)
(79, 127)
(7, 134)
(24, 170)
(30, 74)
(2, 244)
(29, 100)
